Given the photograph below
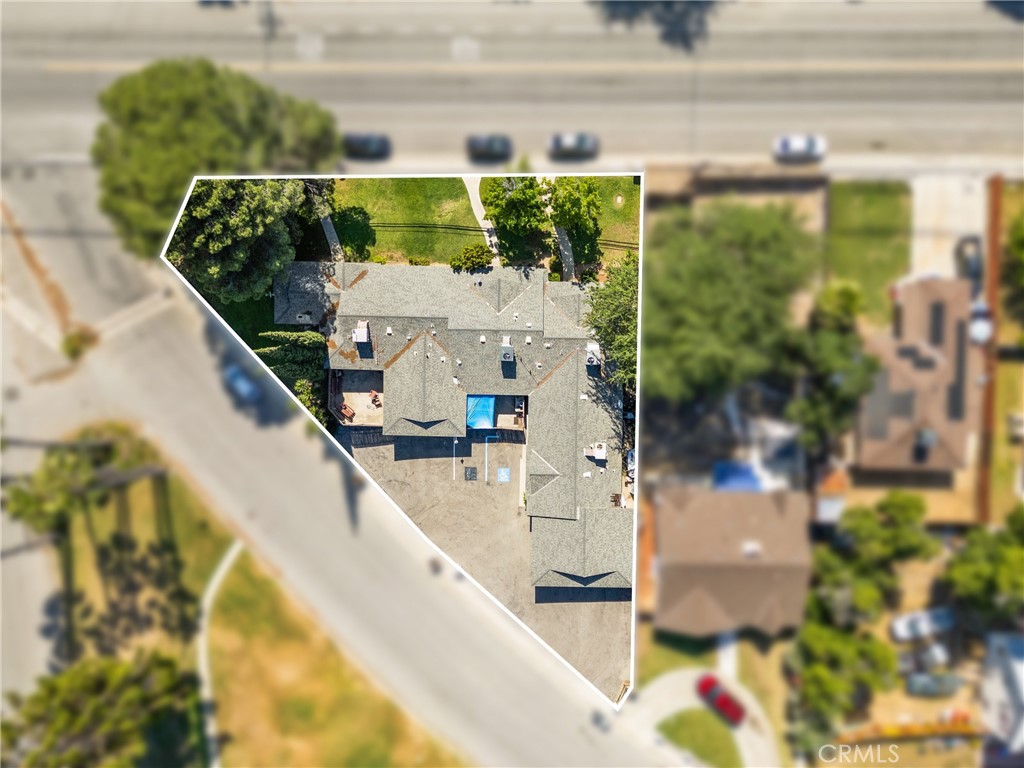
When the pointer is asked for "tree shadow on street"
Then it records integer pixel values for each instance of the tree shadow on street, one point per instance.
(681, 24)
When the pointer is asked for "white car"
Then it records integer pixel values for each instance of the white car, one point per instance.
(920, 624)
(800, 148)
(573, 146)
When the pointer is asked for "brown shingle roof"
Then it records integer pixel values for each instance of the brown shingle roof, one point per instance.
(728, 561)
(926, 391)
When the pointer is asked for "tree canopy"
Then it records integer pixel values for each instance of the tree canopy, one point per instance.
(514, 205)
(472, 257)
(576, 207)
(176, 119)
(234, 235)
(829, 356)
(294, 355)
(718, 289)
(613, 316)
(96, 713)
(988, 573)
(64, 483)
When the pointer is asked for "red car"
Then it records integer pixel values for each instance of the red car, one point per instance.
(716, 697)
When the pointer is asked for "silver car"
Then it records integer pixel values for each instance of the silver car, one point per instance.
(800, 148)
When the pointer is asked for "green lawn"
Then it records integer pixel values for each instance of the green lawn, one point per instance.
(407, 217)
(620, 221)
(659, 653)
(702, 732)
(250, 318)
(286, 696)
(868, 239)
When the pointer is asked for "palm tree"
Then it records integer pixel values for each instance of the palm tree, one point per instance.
(99, 712)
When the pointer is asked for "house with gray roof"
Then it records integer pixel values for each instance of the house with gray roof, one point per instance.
(438, 339)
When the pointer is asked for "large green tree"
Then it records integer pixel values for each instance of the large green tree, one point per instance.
(988, 573)
(835, 372)
(514, 206)
(717, 296)
(576, 207)
(64, 483)
(97, 712)
(176, 119)
(234, 235)
(613, 316)
(294, 355)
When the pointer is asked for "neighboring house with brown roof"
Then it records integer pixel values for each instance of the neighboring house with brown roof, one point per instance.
(922, 416)
(731, 560)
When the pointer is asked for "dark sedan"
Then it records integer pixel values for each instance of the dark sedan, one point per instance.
(367, 146)
(573, 146)
(490, 148)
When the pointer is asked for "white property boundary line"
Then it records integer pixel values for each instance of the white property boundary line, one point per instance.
(366, 475)
(203, 650)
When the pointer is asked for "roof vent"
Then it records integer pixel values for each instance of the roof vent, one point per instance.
(303, 317)
(483, 339)
(751, 548)
(389, 332)
(507, 353)
(529, 340)
(593, 353)
(361, 333)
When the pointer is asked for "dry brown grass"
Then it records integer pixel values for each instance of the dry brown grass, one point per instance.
(286, 696)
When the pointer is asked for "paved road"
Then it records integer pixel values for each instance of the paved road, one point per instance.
(872, 77)
(438, 645)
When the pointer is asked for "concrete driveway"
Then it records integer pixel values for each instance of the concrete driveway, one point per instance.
(677, 691)
(945, 207)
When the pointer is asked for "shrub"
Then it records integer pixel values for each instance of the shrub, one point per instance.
(588, 276)
(556, 265)
(419, 261)
(378, 258)
(473, 257)
(77, 342)
(554, 277)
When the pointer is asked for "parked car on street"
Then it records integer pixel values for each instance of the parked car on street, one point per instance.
(800, 148)
(489, 148)
(573, 146)
(241, 385)
(933, 686)
(367, 146)
(920, 624)
(720, 700)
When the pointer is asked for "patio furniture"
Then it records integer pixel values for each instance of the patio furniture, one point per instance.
(375, 397)
(616, 499)
(347, 411)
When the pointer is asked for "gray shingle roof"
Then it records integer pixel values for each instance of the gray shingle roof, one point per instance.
(570, 407)
(421, 398)
(303, 292)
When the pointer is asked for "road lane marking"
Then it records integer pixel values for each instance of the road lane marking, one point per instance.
(575, 67)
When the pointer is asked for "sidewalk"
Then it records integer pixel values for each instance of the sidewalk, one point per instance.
(473, 187)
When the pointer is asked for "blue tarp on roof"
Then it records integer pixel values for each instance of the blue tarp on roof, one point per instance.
(480, 411)
(735, 476)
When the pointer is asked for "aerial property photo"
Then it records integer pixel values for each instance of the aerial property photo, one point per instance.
(471, 343)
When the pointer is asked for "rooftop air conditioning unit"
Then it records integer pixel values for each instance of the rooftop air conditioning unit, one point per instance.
(361, 333)
(593, 353)
(507, 353)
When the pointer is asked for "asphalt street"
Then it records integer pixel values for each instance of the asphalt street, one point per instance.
(872, 77)
(894, 87)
